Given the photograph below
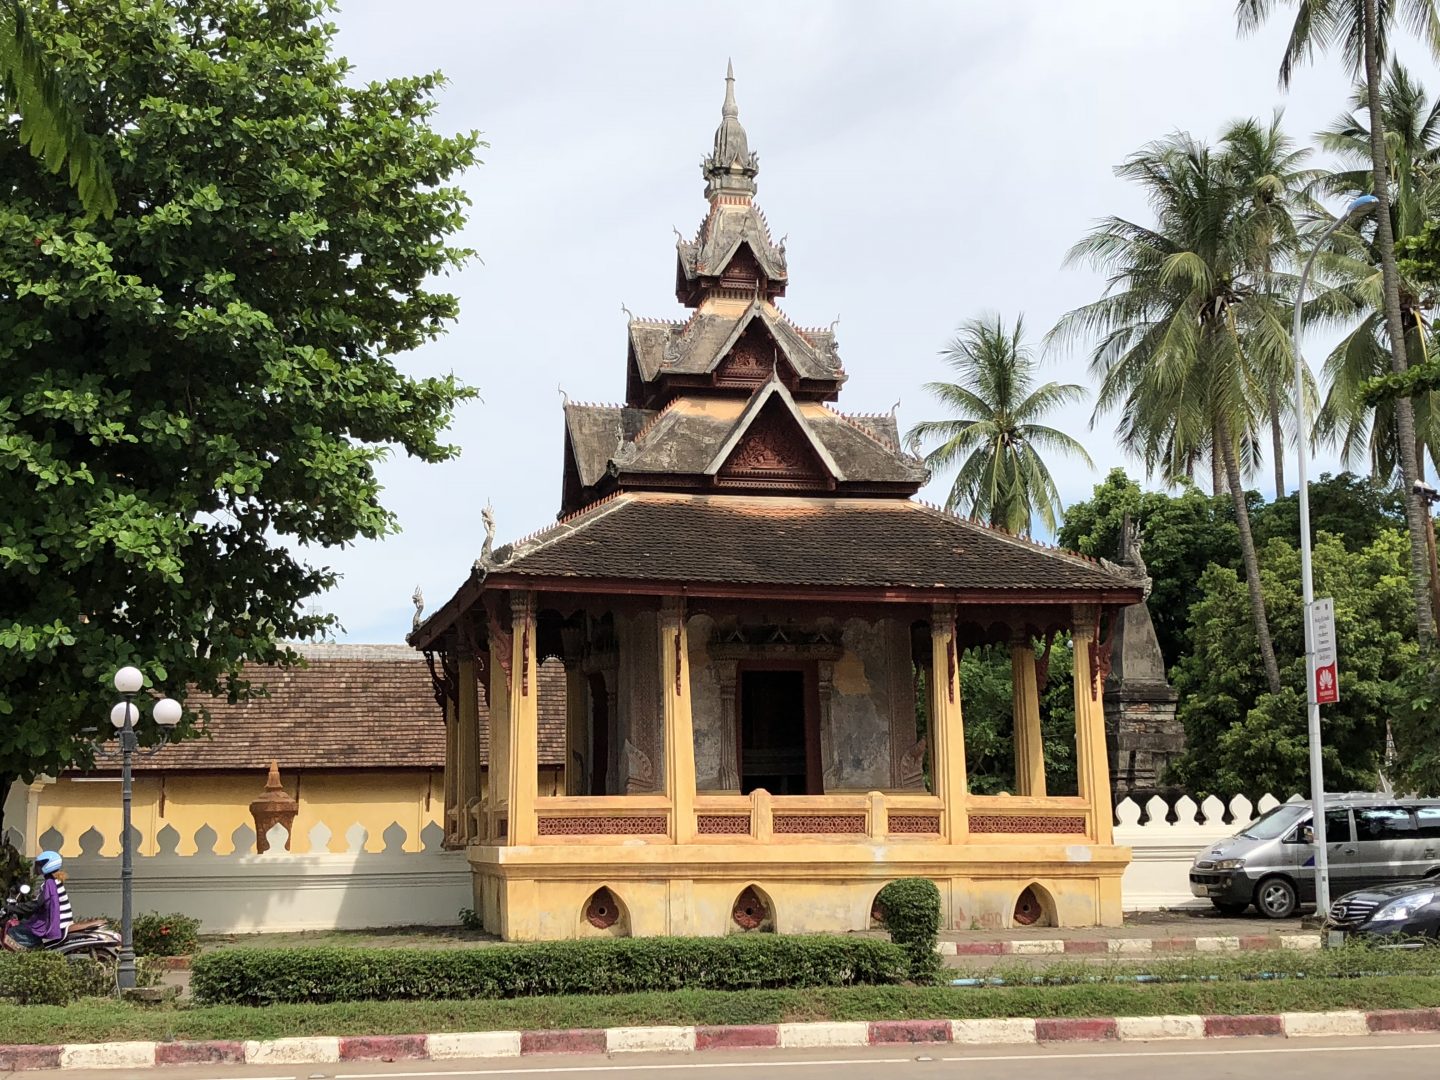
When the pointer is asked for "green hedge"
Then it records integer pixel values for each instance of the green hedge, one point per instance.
(47, 978)
(608, 966)
(911, 909)
(166, 935)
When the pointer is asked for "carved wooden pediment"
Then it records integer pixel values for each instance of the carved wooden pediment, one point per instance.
(753, 359)
(774, 448)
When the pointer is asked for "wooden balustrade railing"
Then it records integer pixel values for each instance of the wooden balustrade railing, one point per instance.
(731, 818)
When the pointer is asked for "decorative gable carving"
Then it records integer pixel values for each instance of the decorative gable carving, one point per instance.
(753, 358)
(774, 449)
(742, 272)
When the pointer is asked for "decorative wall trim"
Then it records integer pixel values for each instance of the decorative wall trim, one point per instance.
(1022, 823)
(722, 824)
(915, 824)
(613, 825)
(819, 824)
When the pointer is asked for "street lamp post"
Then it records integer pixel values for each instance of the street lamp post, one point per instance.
(125, 716)
(1307, 574)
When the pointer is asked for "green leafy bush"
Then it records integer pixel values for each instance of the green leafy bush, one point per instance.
(910, 908)
(607, 966)
(166, 935)
(470, 919)
(47, 978)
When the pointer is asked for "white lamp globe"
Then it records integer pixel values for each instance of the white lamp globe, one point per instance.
(167, 712)
(128, 680)
(117, 715)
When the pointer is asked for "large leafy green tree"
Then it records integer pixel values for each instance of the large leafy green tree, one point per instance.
(198, 390)
(44, 118)
(1241, 737)
(1361, 30)
(1187, 532)
(1193, 328)
(1183, 534)
(986, 675)
(996, 432)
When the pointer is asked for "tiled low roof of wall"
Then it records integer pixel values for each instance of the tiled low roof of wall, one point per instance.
(352, 706)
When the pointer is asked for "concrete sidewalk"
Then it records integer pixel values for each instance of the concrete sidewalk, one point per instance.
(1145, 932)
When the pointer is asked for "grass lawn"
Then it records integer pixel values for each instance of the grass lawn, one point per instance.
(105, 1020)
(1349, 978)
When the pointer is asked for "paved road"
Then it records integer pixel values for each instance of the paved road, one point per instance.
(1396, 1058)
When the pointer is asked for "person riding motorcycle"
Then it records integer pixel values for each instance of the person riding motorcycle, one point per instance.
(45, 915)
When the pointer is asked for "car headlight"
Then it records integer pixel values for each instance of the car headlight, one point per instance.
(1230, 864)
(1405, 907)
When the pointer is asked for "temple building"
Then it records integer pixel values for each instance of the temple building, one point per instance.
(761, 631)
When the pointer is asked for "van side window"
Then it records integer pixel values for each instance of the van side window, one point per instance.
(1337, 826)
(1429, 818)
(1384, 823)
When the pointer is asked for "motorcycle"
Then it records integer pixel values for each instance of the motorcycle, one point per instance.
(92, 938)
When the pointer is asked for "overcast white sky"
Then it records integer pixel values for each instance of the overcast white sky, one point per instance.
(929, 161)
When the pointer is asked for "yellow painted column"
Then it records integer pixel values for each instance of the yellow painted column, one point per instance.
(1029, 744)
(947, 725)
(451, 815)
(498, 770)
(678, 723)
(1092, 769)
(524, 714)
(577, 728)
(467, 758)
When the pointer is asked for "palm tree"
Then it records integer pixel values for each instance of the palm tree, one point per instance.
(995, 427)
(1273, 183)
(49, 123)
(1353, 280)
(1361, 29)
(1192, 326)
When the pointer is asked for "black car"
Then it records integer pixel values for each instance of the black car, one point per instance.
(1408, 913)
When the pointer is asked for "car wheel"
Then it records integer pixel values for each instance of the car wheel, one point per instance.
(1229, 909)
(1275, 898)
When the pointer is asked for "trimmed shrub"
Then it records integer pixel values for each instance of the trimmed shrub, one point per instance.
(603, 966)
(911, 910)
(166, 935)
(47, 978)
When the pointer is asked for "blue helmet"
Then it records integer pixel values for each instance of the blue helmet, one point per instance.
(47, 862)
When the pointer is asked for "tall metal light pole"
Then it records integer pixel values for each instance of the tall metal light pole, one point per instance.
(1307, 574)
(124, 716)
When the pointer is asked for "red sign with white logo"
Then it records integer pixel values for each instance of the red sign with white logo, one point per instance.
(1322, 638)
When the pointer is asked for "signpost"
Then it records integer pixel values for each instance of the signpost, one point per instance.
(1325, 668)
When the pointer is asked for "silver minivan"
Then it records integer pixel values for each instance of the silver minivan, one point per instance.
(1371, 840)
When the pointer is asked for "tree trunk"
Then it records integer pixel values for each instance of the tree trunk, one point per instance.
(6, 780)
(1404, 408)
(1226, 446)
(1277, 443)
(1217, 471)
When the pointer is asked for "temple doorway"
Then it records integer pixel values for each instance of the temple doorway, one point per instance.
(774, 748)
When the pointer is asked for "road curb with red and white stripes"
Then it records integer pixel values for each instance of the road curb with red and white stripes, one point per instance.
(318, 1050)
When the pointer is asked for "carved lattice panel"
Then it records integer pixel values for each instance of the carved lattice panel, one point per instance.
(1016, 823)
(615, 825)
(915, 824)
(819, 824)
(722, 825)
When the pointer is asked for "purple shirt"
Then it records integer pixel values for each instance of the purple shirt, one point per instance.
(49, 924)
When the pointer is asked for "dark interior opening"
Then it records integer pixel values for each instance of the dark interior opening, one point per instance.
(772, 732)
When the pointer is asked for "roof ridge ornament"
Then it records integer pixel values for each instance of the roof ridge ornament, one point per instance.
(731, 167)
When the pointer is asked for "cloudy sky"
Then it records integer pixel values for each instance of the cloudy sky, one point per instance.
(929, 162)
